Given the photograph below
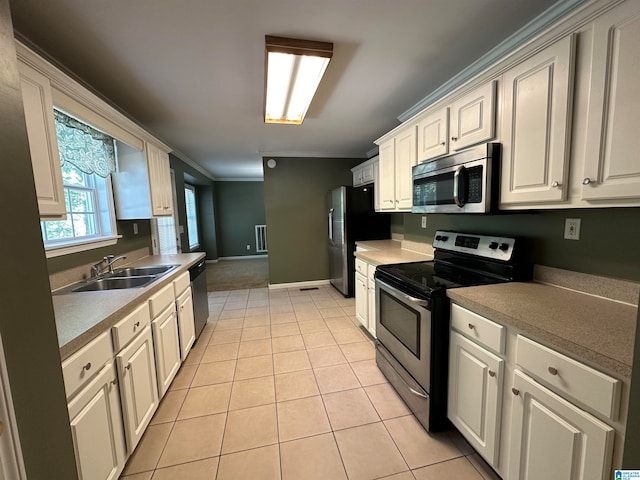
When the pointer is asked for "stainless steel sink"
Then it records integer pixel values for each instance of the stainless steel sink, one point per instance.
(116, 283)
(137, 271)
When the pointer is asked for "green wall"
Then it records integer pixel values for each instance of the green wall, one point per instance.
(239, 207)
(594, 253)
(27, 323)
(185, 173)
(295, 194)
(127, 243)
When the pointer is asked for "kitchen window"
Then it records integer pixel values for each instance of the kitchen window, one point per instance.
(87, 158)
(192, 216)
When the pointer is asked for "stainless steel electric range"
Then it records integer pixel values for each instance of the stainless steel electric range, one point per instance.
(412, 313)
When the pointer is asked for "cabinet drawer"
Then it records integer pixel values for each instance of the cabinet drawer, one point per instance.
(181, 283)
(161, 300)
(126, 329)
(591, 387)
(479, 329)
(361, 267)
(372, 272)
(85, 363)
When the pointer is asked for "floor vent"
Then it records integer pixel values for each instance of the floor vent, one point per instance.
(308, 288)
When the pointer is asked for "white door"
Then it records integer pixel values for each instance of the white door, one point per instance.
(167, 348)
(552, 438)
(186, 322)
(96, 428)
(406, 156)
(612, 168)
(387, 173)
(473, 117)
(138, 386)
(362, 297)
(536, 126)
(475, 394)
(433, 135)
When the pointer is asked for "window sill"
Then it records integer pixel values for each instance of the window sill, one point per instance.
(75, 247)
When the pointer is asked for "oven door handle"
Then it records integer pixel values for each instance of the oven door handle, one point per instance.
(460, 186)
(417, 301)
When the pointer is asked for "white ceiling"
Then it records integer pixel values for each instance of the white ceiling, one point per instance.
(191, 71)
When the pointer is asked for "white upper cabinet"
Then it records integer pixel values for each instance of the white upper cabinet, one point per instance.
(536, 126)
(433, 135)
(473, 117)
(395, 183)
(612, 168)
(387, 171)
(43, 142)
(159, 181)
(468, 121)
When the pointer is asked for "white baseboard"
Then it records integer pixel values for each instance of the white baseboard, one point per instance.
(243, 257)
(312, 283)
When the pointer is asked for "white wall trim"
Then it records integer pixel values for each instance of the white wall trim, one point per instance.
(312, 283)
(243, 257)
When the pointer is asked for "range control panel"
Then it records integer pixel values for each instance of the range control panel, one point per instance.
(496, 248)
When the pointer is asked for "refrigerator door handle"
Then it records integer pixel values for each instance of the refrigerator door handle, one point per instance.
(331, 224)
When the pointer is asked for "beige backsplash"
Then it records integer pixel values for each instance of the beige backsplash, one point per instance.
(67, 277)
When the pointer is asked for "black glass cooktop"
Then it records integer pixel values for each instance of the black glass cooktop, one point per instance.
(431, 278)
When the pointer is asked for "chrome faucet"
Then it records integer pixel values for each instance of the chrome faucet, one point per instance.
(108, 261)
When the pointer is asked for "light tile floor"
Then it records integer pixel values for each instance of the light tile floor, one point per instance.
(282, 384)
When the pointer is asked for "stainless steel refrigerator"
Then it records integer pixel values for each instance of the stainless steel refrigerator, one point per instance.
(351, 218)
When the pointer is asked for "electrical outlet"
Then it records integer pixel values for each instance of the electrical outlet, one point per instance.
(572, 229)
(248, 247)
(424, 221)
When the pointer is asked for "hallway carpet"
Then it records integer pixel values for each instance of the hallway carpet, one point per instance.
(237, 274)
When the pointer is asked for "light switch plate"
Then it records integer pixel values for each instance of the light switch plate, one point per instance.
(424, 221)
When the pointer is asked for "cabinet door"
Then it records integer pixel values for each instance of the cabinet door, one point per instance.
(536, 126)
(96, 428)
(43, 142)
(433, 135)
(186, 322)
(405, 160)
(552, 438)
(138, 386)
(159, 181)
(362, 300)
(166, 348)
(372, 308)
(473, 117)
(612, 169)
(387, 171)
(376, 185)
(475, 393)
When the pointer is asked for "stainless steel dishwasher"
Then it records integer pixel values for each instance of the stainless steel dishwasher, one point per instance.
(200, 301)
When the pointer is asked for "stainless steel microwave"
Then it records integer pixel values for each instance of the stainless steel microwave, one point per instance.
(466, 182)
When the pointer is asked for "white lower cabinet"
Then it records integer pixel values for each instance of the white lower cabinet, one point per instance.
(475, 395)
(362, 301)
(96, 428)
(167, 347)
(138, 386)
(186, 322)
(552, 438)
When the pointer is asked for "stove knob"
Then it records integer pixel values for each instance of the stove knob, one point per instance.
(438, 238)
(444, 238)
(493, 245)
(504, 247)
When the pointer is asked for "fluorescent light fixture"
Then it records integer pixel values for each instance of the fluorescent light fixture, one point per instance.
(293, 70)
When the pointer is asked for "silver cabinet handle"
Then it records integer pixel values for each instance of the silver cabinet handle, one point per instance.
(136, 325)
(114, 382)
(128, 367)
(454, 139)
(471, 326)
(87, 367)
(586, 181)
(492, 373)
(515, 391)
(556, 184)
(553, 371)
(443, 143)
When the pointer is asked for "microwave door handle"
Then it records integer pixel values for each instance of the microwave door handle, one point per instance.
(458, 193)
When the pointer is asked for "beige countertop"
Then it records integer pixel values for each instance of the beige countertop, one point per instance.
(594, 329)
(381, 252)
(82, 316)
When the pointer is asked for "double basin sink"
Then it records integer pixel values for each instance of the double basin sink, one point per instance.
(122, 278)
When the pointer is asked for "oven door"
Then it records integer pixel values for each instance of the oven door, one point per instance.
(460, 188)
(403, 327)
